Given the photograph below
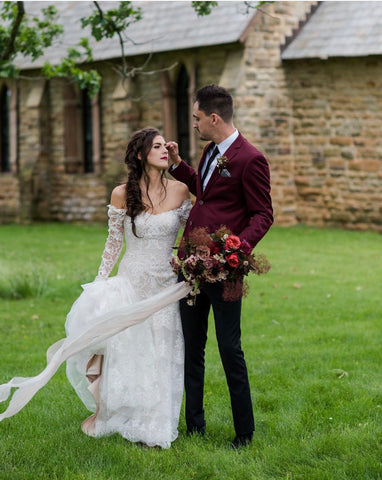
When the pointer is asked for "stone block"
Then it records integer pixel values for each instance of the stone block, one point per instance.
(302, 181)
(336, 164)
(372, 165)
(342, 141)
(308, 191)
(355, 165)
(347, 154)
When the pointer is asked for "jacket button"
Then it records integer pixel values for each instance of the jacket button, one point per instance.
(201, 202)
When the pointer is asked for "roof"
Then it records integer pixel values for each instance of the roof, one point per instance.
(165, 26)
(339, 29)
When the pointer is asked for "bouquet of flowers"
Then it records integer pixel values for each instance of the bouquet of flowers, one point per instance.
(217, 257)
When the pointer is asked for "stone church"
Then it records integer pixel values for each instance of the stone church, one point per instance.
(306, 78)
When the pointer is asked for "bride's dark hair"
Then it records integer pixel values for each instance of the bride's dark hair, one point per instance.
(137, 150)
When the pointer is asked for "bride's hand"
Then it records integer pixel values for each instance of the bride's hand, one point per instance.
(173, 152)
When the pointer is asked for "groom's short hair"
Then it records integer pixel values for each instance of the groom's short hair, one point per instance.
(215, 99)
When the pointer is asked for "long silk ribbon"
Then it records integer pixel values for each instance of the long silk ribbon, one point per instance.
(105, 326)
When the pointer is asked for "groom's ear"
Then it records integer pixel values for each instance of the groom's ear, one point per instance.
(214, 118)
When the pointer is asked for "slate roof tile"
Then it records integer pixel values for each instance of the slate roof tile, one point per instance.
(339, 29)
(165, 26)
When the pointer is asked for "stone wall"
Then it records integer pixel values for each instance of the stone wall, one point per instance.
(337, 120)
(264, 108)
(9, 198)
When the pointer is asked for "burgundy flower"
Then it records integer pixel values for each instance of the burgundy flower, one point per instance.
(215, 248)
(245, 247)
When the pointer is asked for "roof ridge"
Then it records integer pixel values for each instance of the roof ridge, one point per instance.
(289, 39)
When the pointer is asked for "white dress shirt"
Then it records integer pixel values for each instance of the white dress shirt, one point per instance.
(223, 147)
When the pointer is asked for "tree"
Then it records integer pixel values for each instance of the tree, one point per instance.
(26, 36)
(22, 35)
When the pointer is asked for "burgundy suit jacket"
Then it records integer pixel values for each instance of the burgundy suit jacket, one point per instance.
(241, 202)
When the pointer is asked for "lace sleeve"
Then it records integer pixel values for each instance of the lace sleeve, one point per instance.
(114, 242)
(184, 212)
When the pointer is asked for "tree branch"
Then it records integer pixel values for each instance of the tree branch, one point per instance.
(10, 50)
(99, 9)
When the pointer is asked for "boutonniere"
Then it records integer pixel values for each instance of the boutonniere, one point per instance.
(222, 163)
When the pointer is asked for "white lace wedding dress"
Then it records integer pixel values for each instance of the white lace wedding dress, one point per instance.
(141, 386)
(137, 387)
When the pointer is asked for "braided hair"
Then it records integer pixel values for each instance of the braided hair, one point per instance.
(140, 145)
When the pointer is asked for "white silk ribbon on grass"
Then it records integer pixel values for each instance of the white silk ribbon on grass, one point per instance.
(105, 326)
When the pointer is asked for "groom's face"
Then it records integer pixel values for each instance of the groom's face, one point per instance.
(203, 123)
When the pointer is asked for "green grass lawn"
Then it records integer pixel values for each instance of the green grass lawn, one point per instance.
(311, 331)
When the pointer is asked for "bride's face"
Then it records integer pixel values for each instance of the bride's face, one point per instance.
(158, 155)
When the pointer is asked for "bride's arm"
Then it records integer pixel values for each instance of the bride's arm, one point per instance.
(186, 204)
(114, 240)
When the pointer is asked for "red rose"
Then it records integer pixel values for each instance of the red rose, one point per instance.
(232, 242)
(233, 260)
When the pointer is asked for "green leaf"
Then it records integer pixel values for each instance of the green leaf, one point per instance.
(203, 8)
(106, 24)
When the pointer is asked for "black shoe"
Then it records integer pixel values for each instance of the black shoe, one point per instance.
(241, 441)
(196, 430)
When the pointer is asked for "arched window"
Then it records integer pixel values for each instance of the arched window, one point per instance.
(72, 130)
(87, 129)
(81, 131)
(183, 113)
(5, 96)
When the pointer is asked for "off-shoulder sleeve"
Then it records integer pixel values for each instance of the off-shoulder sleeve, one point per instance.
(184, 212)
(114, 241)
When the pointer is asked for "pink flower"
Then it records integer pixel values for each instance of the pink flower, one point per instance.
(191, 260)
(233, 260)
(208, 263)
(202, 252)
(232, 243)
(245, 247)
(190, 264)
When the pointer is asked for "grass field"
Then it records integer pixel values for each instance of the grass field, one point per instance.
(311, 331)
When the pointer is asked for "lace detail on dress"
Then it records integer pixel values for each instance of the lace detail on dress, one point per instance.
(184, 212)
(114, 242)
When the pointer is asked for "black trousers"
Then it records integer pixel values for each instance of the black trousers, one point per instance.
(228, 334)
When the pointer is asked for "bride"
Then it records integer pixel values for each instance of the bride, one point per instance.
(133, 380)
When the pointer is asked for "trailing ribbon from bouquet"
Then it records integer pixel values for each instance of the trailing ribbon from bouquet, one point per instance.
(217, 257)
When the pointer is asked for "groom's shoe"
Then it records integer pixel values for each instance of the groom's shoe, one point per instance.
(241, 441)
(196, 430)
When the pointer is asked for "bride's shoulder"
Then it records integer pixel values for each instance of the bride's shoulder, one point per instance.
(178, 189)
(118, 196)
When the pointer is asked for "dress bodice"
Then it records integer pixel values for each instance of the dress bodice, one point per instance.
(147, 257)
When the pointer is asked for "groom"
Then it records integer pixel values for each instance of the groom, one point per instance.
(237, 196)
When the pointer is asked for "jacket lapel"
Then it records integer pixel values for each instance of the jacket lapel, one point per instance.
(230, 153)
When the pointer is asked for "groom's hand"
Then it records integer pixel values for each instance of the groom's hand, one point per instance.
(173, 153)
